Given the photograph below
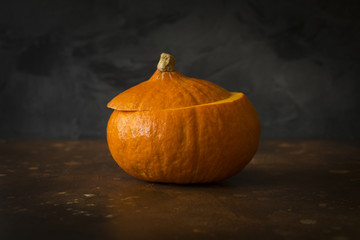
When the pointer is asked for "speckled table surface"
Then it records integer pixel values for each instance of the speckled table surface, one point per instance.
(74, 190)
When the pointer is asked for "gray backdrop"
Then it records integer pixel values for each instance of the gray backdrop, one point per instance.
(61, 61)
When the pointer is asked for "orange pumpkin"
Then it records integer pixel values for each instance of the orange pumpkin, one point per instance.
(176, 129)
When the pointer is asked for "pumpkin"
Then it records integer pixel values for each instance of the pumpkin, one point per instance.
(176, 129)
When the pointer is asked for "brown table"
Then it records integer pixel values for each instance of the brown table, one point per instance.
(74, 190)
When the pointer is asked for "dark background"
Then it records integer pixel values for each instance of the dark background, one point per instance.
(61, 61)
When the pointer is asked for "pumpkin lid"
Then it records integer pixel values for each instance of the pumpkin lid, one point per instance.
(167, 88)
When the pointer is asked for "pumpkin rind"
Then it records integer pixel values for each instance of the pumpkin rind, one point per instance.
(198, 144)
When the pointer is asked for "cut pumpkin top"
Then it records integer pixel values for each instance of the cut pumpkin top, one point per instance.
(167, 88)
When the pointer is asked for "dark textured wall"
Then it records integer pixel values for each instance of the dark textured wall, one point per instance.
(61, 61)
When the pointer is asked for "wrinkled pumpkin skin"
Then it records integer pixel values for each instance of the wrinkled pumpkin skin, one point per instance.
(197, 144)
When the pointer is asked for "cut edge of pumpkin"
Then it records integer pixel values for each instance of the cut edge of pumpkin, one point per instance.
(233, 97)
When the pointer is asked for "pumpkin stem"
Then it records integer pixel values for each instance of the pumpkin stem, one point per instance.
(166, 63)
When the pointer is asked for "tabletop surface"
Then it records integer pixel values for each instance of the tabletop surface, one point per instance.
(74, 190)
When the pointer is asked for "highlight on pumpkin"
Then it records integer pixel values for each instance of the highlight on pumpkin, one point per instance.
(177, 129)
